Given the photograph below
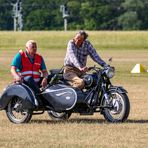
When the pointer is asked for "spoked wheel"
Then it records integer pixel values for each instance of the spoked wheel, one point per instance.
(119, 107)
(59, 116)
(16, 114)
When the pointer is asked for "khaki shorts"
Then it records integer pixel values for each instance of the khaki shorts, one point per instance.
(73, 74)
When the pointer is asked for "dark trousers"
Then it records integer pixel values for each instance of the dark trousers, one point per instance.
(29, 81)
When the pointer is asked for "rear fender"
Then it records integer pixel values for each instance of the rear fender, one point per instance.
(18, 90)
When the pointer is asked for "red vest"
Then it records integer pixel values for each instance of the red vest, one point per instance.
(29, 69)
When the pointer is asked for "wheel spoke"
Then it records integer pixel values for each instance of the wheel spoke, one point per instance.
(15, 112)
(118, 109)
(118, 106)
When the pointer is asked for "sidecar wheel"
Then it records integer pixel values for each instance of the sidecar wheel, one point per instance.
(59, 116)
(16, 114)
(120, 107)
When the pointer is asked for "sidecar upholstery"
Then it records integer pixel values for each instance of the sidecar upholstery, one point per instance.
(54, 73)
(18, 90)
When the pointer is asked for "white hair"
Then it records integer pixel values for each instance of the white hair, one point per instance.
(30, 42)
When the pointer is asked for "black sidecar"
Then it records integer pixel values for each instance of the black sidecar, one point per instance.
(20, 102)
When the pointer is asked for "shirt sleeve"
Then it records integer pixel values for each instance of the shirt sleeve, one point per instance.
(72, 54)
(43, 66)
(94, 55)
(17, 62)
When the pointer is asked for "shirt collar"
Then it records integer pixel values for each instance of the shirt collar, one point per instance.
(30, 57)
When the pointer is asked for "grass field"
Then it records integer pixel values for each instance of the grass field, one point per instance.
(126, 48)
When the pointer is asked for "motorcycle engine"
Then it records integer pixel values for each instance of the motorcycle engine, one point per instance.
(88, 80)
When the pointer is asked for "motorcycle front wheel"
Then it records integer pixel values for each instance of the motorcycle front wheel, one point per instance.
(16, 114)
(119, 107)
(59, 116)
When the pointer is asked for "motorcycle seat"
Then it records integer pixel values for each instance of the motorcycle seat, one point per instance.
(56, 71)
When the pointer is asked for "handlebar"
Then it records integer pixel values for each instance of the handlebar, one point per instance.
(93, 68)
(97, 68)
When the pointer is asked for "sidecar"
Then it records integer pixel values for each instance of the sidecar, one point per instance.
(20, 102)
(18, 91)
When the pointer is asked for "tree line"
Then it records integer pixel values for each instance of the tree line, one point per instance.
(83, 14)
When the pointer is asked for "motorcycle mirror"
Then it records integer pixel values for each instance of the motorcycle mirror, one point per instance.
(110, 59)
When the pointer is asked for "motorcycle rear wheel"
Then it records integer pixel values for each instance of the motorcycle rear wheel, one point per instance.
(17, 115)
(59, 116)
(121, 107)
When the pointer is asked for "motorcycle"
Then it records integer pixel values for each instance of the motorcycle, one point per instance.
(60, 99)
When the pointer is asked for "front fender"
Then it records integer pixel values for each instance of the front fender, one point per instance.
(119, 89)
(18, 90)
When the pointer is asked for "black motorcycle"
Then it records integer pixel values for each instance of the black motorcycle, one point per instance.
(60, 99)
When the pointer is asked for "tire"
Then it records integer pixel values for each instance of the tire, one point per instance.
(59, 116)
(16, 114)
(120, 107)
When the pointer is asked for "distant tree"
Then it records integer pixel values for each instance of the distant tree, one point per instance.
(75, 20)
(131, 5)
(130, 19)
(143, 15)
(42, 15)
(6, 20)
(101, 14)
(83, 14)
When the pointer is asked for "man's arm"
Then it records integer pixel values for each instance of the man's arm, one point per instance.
(43, 68)
(44, 73)
(72, 55)
(16, 65)
(15, 75)
(94, 55)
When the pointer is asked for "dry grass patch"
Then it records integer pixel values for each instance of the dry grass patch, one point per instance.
(83, 131)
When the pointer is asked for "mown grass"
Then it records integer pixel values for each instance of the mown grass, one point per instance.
(58, 39)
(126, 48)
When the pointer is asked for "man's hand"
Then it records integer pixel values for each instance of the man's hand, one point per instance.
(17, 78)
(83, 69)
(44, 82)
(106, 66)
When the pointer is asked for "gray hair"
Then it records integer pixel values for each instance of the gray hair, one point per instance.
(30, 42)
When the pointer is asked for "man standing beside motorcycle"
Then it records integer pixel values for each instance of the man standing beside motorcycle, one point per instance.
(28, 66)
(76, 57)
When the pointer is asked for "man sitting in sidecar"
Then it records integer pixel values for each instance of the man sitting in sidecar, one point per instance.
(27, 66)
